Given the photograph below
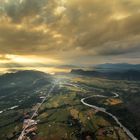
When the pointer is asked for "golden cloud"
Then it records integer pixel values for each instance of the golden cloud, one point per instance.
(69, 28)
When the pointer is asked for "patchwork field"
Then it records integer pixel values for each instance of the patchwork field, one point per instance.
(64, 117)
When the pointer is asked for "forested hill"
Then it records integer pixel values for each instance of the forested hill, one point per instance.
(133, 75)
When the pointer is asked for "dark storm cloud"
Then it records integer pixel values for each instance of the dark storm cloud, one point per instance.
(114, 37)
(69, 28)
(17, 10)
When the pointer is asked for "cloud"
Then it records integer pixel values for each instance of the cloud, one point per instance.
(18, 10)
(70, 29)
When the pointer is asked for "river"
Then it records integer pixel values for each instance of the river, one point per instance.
(101, 109)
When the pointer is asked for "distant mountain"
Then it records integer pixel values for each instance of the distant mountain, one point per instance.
(132, 75)
(124, 75)
(23, 78)
(117, 67)
(84, 72)
(22, 87)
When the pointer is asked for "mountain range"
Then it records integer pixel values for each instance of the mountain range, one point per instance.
(131, 75)
(117, 67)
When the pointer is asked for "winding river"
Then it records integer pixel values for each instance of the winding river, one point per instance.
(101, 109)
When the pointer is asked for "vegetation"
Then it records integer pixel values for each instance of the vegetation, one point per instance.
(63, 116)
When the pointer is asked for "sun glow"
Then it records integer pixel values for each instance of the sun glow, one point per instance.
(30, 59)
(51, 70)
(120, 16)
(32, 62)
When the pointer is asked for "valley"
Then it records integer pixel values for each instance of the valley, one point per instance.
(63, 115)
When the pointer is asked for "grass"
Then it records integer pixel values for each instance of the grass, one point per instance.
(53, 114)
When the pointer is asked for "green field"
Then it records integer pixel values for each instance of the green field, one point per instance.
(64, 117)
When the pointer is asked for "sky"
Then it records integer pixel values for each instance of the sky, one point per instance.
(59, 34)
